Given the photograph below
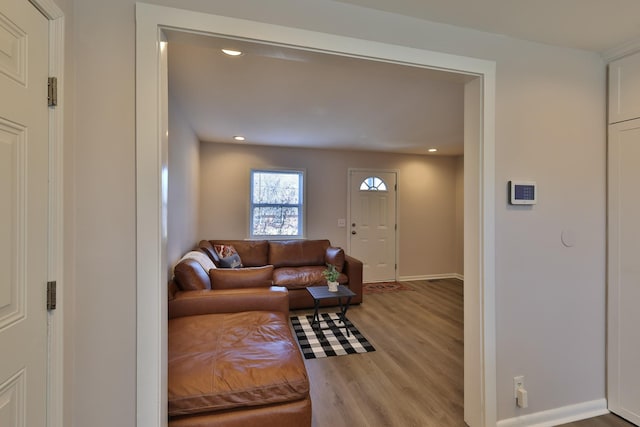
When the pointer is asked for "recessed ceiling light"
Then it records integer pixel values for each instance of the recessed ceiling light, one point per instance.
(432, 150)
(231, 52)
(239, 138)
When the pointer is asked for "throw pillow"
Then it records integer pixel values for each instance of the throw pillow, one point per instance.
(248, 277)
(228, 255)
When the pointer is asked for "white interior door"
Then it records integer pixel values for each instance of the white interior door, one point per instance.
(373, 223)
(623, 372)
(23, 214)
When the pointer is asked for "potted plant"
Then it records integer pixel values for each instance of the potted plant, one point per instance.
(331, 274)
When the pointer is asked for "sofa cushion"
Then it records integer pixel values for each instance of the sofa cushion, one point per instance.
(301, 277)
(190, 276)
(296, 253)
(206, 247)
(249, 277)
(226, 361)
(253, 253)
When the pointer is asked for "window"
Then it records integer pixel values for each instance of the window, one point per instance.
(277, 203)
(373, 183)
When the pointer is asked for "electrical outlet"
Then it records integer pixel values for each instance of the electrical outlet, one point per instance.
(518, 382)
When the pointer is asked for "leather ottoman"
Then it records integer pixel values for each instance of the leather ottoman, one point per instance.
(236, 369)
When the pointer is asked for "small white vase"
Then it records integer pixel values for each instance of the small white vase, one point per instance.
(333, 286)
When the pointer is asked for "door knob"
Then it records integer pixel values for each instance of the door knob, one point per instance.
(353, 232)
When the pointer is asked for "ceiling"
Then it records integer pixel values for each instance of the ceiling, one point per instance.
(281, 96)
(595, 25)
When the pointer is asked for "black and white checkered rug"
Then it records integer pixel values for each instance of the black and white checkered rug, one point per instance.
(317, 343)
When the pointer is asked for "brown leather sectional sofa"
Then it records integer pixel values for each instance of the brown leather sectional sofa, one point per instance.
(232, 360)
(297, 264)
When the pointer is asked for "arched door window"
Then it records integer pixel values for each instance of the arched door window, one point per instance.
(373, 183)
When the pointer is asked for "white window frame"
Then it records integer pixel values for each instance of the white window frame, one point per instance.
(302, 222)
(374, 188)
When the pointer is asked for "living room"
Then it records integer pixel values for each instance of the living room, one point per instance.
(404, 111)
(209, 197)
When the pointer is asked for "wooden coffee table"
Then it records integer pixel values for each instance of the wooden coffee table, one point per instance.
(319, 293)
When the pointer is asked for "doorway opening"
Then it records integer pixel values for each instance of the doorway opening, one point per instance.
(151, 179)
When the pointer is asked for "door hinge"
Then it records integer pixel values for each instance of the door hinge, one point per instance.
(395, 267)
(51, 295)
(52, 92)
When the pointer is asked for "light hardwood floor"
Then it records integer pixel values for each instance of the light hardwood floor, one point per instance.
(415, 376)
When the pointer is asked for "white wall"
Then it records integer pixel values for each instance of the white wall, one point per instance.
(426, 197)
(459, 236)
(550, 127)
(66, 98)
(183, 186)
(474, 356)
(103, 186)
(551, 299)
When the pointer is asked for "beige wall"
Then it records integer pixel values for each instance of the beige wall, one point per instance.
(183, 187)
(550, 115)
(426, 197)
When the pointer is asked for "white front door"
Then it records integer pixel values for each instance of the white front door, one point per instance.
(373, 223)
(23, 214)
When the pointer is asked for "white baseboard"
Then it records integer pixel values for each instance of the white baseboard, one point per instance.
(563, 415)
(432, 277)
